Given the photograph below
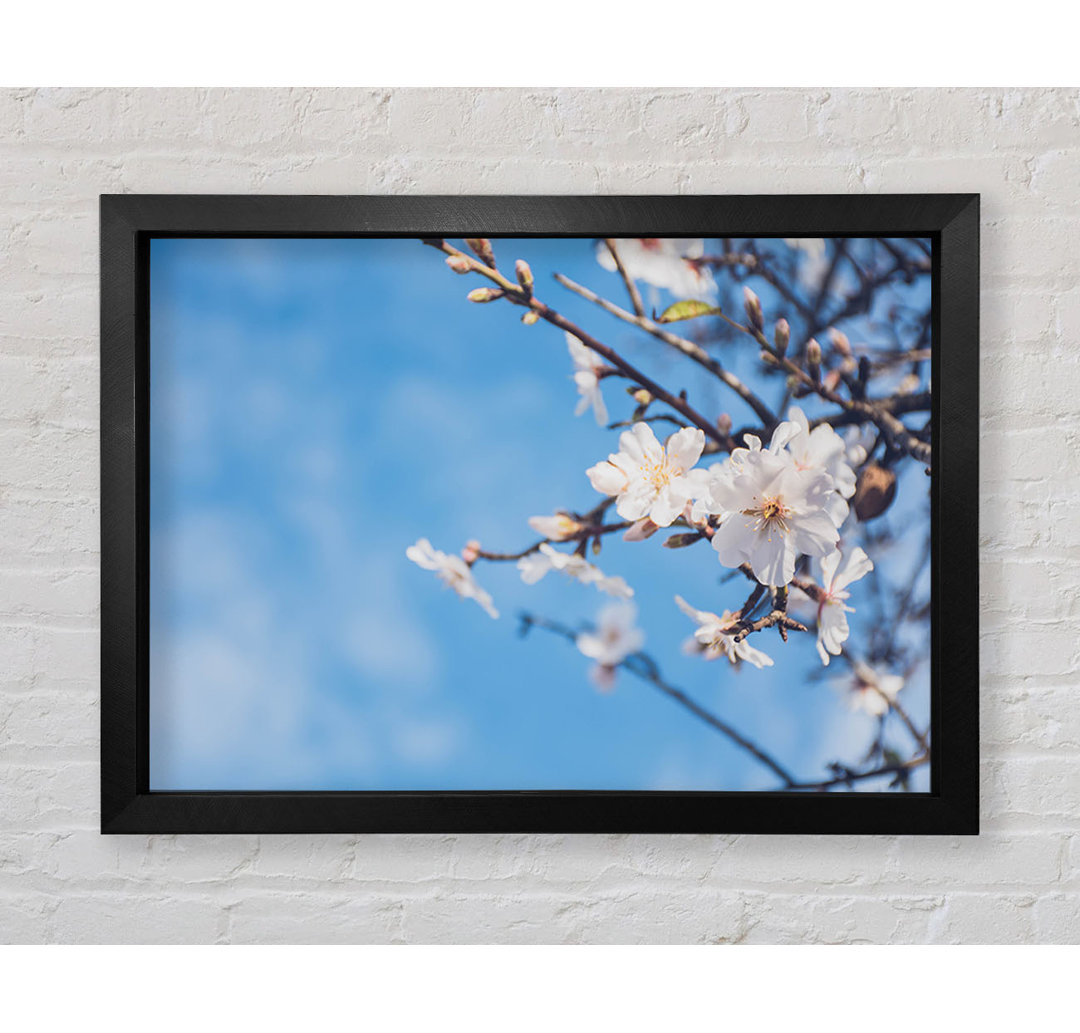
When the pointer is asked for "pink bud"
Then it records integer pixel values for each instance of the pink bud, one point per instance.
(752, 304)
(471, 551)
(482, 247)
(781, 336)
(640, 530)
(840, 342)
(459, 263)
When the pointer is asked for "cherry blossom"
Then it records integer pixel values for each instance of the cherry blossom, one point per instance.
(616, 637)
(649, 479)
(822, 449)
(587, 366)
(815, 263)
(452, 571)
(712, 640)
(837, 572)
(534, 566)
(773, 513)
(869, 690)
(665, 263)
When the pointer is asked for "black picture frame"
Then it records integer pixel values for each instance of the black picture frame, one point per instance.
(128, 222)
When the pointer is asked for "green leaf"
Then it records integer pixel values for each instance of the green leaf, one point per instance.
(687, 310)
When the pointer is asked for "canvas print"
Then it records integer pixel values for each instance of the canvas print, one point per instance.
(541, 514)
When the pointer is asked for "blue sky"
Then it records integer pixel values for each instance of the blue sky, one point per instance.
(317, 406)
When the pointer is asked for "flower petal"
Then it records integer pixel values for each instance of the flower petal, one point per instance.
(607, 478)
(684, 448)
(814, 534)
(856, 566)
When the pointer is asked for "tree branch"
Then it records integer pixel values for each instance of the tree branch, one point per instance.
(631, 287)
(518, 296)
(688, 348)
(643, 667)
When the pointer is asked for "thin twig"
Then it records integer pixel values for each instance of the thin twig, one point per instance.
(518, 296)
(589, 531)
(688, 348)
(860, 776)
(894, 430)
(631, 287)
(642, 666)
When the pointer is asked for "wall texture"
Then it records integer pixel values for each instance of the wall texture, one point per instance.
(61, 881)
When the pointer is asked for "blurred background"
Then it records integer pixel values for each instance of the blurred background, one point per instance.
(318, 405)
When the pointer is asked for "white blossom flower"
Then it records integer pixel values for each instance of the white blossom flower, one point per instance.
(857, 445)
(452, 571)
(558, 527)
(713, 641)
(772, 512)
(823, 449)
(837, 573)
(869, 690)
(666, 263)
(815, 262)
(534, 566)
(587, 366)
(616, 637)
(649, 479)
(813, 247)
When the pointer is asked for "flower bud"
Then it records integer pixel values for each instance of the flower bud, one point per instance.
(781, 335)
(530, 317)
(724, 423)
(558, 528)
(874, 491)
(459, 263)
(813, 358)
(641, 396)
(482, 247)
(752, 303)
(471, 551)
(840, 342)
(484, 294)
(524, 274)
(639, 531)
(832, 380)
(681, 541)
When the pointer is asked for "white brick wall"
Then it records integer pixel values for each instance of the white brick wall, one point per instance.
(61, 881)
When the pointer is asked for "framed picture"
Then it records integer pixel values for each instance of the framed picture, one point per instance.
(547, 514)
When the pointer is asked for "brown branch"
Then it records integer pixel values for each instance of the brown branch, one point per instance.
(898, 436)
(894, 404)
(688, 348)
(631, 287)
(860, 776)
(518, 296)
(756, 266)
(587, 532)
(642, 666)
